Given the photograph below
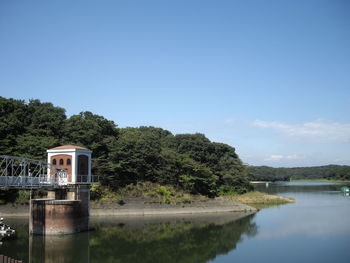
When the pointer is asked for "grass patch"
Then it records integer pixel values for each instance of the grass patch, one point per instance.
(260, 200)
(150, 192)
(102, 194)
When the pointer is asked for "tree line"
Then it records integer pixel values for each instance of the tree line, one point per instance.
(327, 172)
(123, 156)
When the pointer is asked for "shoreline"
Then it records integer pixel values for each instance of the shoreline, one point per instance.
(218, 205)
(249, 202)
(171, 211)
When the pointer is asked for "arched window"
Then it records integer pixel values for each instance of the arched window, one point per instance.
(68, 162)
(61, 161)
(83, 165)
(54, 162)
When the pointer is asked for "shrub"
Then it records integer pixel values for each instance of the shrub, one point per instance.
(23, 197)
(96, 192)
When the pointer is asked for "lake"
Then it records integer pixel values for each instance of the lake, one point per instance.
(314, 229)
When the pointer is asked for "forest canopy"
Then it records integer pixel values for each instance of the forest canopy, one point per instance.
(327, 172)
(123, 156)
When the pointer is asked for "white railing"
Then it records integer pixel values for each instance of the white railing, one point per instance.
(84, 179)
(19, 172)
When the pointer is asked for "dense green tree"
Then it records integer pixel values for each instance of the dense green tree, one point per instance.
(35, 147)
(90, 130)
(181, 170)
(122, 156)
(135, 156)
(45, 119)
(196, 146)
(220, 158)
(29, 129)
(13, 121)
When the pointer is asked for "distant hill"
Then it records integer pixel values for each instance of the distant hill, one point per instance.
(329, 172)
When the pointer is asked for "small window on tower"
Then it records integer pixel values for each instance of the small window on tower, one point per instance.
(61, 161)
(68, 162)
(54, 162)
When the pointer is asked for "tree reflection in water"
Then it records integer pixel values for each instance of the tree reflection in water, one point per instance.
(138, 239)
(182, 240)
(64, 248)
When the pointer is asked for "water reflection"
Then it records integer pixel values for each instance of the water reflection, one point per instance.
(65, 248)
(178, 240)
(321, 211)
(17, 248)
(137, 239)
(313, 229)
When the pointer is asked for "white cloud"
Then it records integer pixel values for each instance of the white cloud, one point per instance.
(228, 121)
(276, 157)
(319, 130)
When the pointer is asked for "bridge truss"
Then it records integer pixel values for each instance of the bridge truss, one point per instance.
(25, 173)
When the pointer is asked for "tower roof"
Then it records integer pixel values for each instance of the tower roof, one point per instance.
(64, 147)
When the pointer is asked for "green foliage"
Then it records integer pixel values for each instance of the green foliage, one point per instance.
(90, 130)
(125, 156)
(329, 172)
(29, 129)
(104, 194)
(260, 200)
(96, 192)
(35, 147)
(164, 193)
(45, 119)
(147, 191)
(210, 165)
(162, 190)
(19, 196)
(231, 190)
(23, 197)
(134, 157)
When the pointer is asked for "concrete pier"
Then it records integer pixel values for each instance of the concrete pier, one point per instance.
(55, 217)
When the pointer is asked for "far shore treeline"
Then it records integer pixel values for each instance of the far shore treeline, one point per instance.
(123, 156)
(327, 172)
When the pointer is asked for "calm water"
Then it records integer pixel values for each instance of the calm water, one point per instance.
(314, 229)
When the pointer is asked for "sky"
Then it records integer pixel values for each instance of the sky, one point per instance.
(270, 78)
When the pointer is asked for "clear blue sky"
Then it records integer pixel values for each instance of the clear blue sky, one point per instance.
(271, 78)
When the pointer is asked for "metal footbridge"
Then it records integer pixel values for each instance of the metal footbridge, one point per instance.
(25, 173)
